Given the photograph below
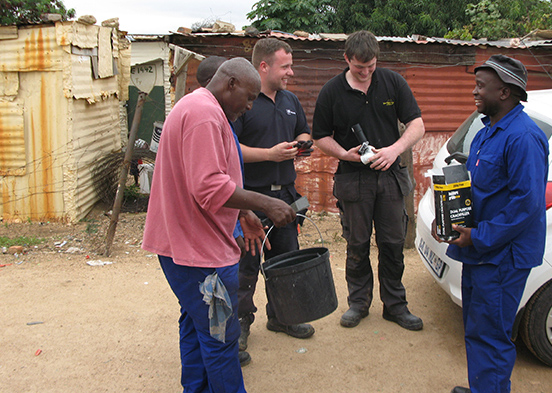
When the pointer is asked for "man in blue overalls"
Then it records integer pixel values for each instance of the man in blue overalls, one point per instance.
(508, 163)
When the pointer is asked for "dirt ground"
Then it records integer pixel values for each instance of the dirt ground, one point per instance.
(72, 319)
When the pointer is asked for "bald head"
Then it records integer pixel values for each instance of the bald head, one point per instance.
(207, 69)
(238, 68)
(235, 85)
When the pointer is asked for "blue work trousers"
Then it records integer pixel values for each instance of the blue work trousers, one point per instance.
(208, 365)
(490, 299)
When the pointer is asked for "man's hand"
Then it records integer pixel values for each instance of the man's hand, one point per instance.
(463, 241)
(465, 236)
(283, 151)
(351, 155)
(279, 212)
(384, 158)
(253, 231)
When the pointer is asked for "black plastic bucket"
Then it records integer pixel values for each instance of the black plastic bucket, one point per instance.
(300, 285)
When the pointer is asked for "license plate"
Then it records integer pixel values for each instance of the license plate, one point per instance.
(436, 263)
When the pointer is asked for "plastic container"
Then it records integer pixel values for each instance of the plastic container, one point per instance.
(300, 285)
(156, 136)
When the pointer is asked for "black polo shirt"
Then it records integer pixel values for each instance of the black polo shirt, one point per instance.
(339, 107)
(265, 125)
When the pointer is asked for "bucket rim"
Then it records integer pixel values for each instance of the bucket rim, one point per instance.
(272, 227)
(271, 268)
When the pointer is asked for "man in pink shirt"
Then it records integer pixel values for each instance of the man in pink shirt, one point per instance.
(195, 201)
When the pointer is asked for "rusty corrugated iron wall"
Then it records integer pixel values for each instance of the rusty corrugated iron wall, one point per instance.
(445, 97)
(12, 147)
(440, 75)
(60, 87)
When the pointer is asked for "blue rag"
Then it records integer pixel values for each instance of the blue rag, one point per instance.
(220, 306)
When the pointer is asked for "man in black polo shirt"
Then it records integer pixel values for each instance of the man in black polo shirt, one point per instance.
(376, 99)
(268, 136)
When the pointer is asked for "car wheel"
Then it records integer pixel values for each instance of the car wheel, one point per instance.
(536, 325)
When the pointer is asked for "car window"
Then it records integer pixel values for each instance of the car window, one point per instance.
(546, 127)
(462, 138)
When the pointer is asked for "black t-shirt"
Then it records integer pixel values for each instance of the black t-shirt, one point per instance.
(265, 125)
(339, 107)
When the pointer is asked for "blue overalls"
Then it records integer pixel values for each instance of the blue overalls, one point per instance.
(208, 365)
(508, 163)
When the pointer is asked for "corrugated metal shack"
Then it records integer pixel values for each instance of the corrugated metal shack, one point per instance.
(60, 90)
(439, 71)
(149, 73)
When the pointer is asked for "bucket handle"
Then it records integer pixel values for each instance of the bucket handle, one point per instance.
(270, 229)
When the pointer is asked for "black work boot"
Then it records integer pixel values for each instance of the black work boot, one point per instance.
(245, 325)
(352, 317)
(460, 389)
(244, 358)
(406, 320)
(302, 330)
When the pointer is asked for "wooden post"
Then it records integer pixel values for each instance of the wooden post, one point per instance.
(181, 59)
(124, 173)
(180, 73)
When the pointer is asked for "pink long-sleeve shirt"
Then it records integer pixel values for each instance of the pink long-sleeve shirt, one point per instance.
(197, 169)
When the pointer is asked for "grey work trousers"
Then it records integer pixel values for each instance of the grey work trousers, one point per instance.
(377, 197)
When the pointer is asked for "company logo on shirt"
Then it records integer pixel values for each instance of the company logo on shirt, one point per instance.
(290, 112)
(389, 102)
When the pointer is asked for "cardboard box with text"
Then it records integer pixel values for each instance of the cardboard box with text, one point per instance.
(453, 203)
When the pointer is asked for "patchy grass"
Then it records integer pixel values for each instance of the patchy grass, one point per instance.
(20, 241)
(92, 225)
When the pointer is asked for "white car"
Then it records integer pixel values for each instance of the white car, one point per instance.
(534, 316)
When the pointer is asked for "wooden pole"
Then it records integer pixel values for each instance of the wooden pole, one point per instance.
(124, 173)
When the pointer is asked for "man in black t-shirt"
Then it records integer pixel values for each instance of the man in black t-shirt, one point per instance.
(370, 195)
(268, 135)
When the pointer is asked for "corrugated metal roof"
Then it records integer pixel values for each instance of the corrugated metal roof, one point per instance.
(506, 43)
(146, 37)
(416, 39)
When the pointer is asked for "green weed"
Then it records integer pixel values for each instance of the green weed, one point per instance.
(20, 241)
(92, 225)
